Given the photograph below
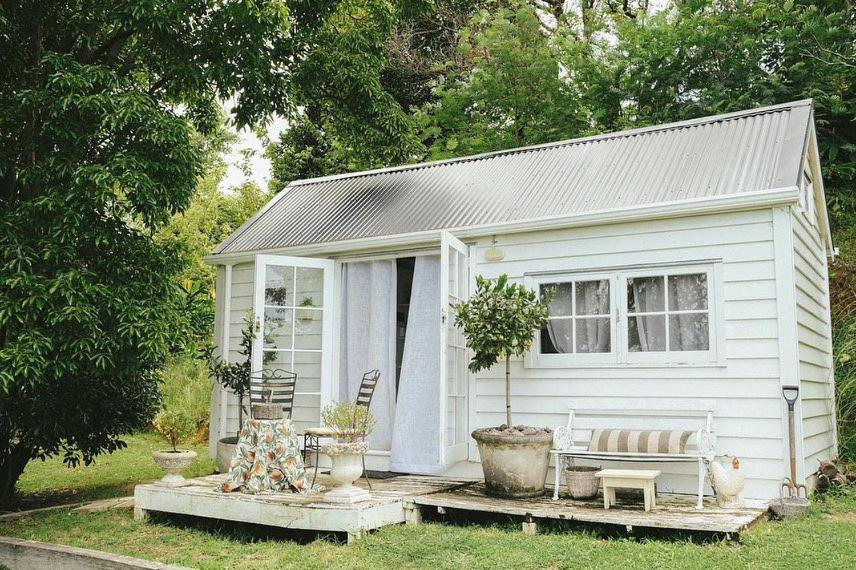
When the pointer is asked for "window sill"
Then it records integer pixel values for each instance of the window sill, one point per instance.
(621, 365)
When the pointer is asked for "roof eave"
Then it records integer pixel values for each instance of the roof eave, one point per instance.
(664, 210)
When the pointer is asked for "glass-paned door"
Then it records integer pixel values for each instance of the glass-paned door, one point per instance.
(294, 324)
(454, 288)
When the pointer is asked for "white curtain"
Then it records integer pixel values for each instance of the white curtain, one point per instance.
(416, 437)
(561, 330)
(688, 331)
(648, 295)
(368, 340)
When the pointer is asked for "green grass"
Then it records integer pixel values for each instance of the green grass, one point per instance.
(50, 482)
(823, 539)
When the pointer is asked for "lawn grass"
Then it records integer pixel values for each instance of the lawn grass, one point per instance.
(823, 539)
(50, 482)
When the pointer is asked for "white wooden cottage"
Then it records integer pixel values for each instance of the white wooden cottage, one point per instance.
(689, 260)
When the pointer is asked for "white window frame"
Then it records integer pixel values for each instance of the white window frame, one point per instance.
(677, 357)
(620, 356)
(540, 360)
(807, 204)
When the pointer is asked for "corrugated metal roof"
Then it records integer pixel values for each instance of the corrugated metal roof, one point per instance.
(703, 158)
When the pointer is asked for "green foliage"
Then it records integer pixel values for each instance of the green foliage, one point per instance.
(304, 150)
(104, 107)
(174, 427)
(510, 94)
(350, 421)
(842, 282)
(186, 388)
(212, 216)
(499, 320)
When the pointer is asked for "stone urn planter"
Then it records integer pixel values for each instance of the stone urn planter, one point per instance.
(174, 462)
(225, 453)
(347, 467)
(515, 460)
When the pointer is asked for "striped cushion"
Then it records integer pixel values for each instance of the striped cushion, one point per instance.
(639, 441)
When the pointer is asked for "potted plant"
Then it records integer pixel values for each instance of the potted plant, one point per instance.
(175, 428)
(499, 321)
(307, 314)
(351, 424)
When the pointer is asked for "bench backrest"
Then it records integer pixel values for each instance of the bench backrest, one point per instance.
(585, 416)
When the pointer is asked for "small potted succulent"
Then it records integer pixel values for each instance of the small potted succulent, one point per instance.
(176, 428)
(499, 322)
(352, 424)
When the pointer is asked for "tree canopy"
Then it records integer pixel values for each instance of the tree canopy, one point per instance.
(104, 110)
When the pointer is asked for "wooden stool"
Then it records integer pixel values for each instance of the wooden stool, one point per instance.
(628, 479)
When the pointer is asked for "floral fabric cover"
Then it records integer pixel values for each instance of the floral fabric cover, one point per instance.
(267, 458)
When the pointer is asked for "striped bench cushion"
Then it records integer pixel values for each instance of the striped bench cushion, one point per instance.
(639, 441)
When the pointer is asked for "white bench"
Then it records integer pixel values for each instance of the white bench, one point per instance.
(573, 441)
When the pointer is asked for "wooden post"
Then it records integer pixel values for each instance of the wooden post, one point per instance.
(354, 535)
(141, 515)
(529, 525)
(412, 514)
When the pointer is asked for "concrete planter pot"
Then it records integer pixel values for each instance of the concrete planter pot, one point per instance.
(225, 453)
(347, 466)
(174, 462)
(514, 465)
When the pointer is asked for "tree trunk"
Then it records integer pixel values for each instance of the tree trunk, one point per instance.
(13, 460)
(508, 390)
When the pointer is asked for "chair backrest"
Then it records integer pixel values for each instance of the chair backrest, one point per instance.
(366, 392)
(275, 386)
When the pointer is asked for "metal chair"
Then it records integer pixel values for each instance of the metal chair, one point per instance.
(312, 436)
(274, 386)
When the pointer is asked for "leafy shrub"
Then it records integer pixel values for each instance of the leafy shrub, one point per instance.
(350, 421)
(175, 427)
(186, 388)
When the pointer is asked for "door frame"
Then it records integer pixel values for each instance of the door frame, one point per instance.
(451, 453)
(329, 316)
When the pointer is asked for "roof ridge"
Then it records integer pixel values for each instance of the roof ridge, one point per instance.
(687, 123)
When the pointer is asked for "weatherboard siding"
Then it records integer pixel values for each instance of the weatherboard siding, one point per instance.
(814, 343)
(745, 382)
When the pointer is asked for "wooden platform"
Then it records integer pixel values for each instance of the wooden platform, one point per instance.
(403, 499)
(199, 498)
(671, 512)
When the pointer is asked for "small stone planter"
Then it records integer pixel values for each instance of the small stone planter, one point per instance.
(347, 466)
(225, 453)
(581, 481)
(174, 462)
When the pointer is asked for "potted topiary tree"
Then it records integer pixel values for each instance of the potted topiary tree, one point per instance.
(499, 321)
(176, 428)
(351, 424)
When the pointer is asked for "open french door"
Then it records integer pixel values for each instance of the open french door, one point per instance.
(454, 288)
(293, 310)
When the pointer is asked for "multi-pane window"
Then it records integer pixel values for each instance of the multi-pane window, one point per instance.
(664, 316)
(580, 317)
(668, 313)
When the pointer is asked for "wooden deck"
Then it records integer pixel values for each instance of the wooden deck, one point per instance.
(671, 512)
(404, 499)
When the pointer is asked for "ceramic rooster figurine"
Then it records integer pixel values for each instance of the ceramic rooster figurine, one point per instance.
(728, 481)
